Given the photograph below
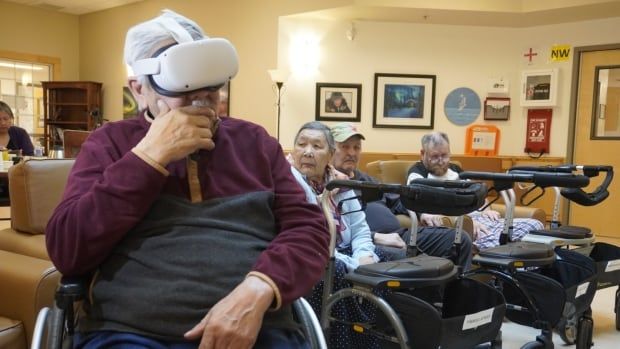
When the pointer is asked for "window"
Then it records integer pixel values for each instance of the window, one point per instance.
(20, 88)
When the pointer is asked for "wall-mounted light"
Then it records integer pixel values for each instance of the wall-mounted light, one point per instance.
(304, 54)
(351, 32)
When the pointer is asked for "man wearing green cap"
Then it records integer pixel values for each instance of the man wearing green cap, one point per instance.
(380, 215)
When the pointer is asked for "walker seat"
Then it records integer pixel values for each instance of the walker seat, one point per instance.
(418, 271)
(516, 255)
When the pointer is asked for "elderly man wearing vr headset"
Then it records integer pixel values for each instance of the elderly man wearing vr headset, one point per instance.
(192, 227)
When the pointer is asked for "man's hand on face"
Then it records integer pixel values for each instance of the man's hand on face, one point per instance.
(176, 133)
(234, 322)
(431, 220)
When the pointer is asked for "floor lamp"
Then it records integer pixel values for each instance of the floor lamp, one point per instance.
(278, 77)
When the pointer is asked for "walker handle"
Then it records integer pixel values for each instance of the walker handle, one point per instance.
(452, 198)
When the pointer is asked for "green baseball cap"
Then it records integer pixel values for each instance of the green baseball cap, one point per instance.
(345, 130)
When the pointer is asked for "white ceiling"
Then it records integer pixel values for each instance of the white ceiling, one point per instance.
(496, 13)
(75, 7)
(501, 13)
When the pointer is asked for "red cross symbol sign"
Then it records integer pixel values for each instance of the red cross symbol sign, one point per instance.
(530, 54)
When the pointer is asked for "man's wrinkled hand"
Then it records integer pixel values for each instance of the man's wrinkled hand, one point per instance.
(234, 322)
(431, 220)
(176, 133)
(492, 215)
(480, 230)
(390, 239)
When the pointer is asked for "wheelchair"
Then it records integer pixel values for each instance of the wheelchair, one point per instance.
(55, 326)
(427, 303)
(580, 239)
(541, 285)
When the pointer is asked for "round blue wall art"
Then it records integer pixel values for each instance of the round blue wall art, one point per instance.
(462, 106)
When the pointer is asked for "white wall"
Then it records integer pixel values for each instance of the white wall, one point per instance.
(460, 56)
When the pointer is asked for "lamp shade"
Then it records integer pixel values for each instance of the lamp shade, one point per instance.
(278, 75)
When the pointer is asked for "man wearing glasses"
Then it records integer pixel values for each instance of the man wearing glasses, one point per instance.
(488, 224)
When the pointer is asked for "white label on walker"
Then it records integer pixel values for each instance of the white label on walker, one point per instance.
(478, 319)
(581, 289)
(612, 265)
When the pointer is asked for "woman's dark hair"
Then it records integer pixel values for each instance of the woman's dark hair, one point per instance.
(5, 108)
(327, 132)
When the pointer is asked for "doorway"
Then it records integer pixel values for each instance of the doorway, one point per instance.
(594, 138)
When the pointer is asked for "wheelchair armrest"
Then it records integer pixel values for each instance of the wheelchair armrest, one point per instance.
(71, 289)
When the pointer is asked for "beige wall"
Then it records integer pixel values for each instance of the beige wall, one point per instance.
(32, 31)
(251, 25)
(460, 56)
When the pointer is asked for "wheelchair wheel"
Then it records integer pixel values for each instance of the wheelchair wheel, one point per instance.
(584, 337)
(617, 309)
(567, 329)
(55, 328)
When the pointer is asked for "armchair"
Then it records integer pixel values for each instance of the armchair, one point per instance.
(29, 278)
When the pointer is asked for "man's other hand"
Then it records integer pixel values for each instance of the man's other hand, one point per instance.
(431, 220)
(234, 322)
(390, 239)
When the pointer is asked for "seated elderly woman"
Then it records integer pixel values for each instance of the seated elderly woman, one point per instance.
(311, 156)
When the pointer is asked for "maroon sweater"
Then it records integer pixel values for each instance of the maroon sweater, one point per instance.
(110, 190)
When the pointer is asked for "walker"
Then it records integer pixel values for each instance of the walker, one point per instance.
(606, 256)
(541, 286)
(465, 312)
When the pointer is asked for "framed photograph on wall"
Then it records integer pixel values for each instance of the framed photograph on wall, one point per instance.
(539, 88)
(338, 102)
(497, 108)
(404, 101)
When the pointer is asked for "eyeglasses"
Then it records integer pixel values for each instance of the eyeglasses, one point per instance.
(437, 158)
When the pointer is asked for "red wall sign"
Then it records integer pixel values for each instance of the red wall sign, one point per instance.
(538, 130)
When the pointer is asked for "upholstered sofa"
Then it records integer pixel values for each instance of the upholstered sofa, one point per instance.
(27, 277)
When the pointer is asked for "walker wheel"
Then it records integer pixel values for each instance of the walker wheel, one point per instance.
(584, 335)
(533, 345)
(567, 329)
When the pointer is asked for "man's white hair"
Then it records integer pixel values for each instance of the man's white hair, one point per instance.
(143, 38)
(434, 138)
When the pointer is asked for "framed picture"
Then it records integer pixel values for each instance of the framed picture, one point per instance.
(539, 88)
(496, 108)
(404, 101)
(338, 102)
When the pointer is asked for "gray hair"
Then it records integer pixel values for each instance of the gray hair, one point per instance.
(5, 108)
(434, 138)
(318, 126)
(143, 38)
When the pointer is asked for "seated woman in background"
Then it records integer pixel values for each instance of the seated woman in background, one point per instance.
(311, 156)
(13, 137)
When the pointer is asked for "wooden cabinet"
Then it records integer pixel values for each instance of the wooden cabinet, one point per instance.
(73, 105)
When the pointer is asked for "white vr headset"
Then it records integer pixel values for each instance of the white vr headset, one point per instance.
(189, 65)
